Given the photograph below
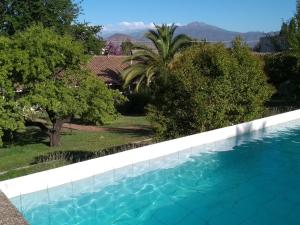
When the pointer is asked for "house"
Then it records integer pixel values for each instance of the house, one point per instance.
(108, 68)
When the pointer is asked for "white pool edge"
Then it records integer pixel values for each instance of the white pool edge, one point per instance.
(56, 177)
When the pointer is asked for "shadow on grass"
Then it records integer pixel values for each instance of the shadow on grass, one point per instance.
(79, 155)
(80, 121)
(68, 156)
(135, 132)
(31, 135)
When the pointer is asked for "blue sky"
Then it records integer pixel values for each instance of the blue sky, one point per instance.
(235, 15)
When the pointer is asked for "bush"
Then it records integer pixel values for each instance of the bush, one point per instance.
(209, 87)
(282, 70)
(136, 104)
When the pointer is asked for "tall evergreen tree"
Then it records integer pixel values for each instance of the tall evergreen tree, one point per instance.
(291, 30)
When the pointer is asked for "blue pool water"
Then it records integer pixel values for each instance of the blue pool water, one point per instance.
(253, 180)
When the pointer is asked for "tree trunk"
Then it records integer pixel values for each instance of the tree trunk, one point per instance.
(54, 138)
(54, 133)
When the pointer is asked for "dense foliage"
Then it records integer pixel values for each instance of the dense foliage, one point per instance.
(137, 102)
(283, 73)
(59, 15)
(207, 87)
(48, 69)
(283, 68)
(19, 15)
(272, 43)
(11, 117)
(89, 36)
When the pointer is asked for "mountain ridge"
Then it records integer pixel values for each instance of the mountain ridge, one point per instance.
(196, 30)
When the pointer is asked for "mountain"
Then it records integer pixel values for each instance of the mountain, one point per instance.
(118, 37)
(199, 31)
(203, 31)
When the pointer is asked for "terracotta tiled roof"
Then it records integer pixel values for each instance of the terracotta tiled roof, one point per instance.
(108, 68)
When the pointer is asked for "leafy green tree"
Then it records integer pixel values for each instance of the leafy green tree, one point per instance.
(89, 37)
(60, 15)
(127, 47)
(55, 83)
(11, 115)
(149, 63)
(208, 87)
(18, 15)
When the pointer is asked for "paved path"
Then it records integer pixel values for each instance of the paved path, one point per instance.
(9, 215)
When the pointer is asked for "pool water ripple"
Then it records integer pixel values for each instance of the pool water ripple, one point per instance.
(255, 182)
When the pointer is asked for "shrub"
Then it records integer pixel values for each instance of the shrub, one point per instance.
(137, 102)
(209, 87)
(282, 70)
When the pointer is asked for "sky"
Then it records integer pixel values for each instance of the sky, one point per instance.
(234, 15)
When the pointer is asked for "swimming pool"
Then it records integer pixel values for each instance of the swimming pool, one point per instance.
(252, 179)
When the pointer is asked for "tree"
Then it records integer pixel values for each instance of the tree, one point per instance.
(60, 15)
(286, 40)
(148, 62)
(283, 72)
(18, 15)
(55, 83)
(284, 68)
(89, 37)
(11, 114)
(291, 30)
(127, 47)
(208, 87)
(272, 43)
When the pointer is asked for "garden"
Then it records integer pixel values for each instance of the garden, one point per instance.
(54, 111)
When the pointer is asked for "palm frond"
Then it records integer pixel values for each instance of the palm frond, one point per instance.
(150, 72)
(139, 83)
(131, 73)
(148, 62)
(179, 42)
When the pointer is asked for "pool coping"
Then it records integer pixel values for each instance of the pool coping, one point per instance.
(9, 215)
(75, 172)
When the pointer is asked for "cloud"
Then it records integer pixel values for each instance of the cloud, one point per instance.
(130, 26)
(136, 25)
(124, 26)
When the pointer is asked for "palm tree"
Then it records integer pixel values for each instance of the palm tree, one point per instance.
(148, 62)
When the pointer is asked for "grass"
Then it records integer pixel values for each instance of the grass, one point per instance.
(32, 169)
(16, 159)
(129, 121)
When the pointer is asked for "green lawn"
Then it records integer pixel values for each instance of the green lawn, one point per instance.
(125, 121)
(31, 143)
